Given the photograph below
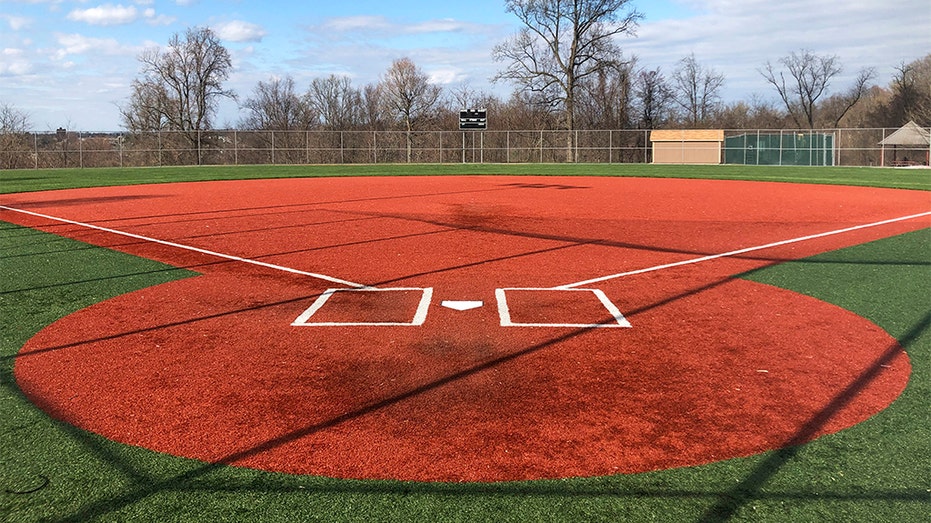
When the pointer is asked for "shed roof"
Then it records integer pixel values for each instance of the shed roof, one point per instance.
(909, 134)
(687, 135)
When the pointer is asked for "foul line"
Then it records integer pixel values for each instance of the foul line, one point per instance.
(739, 251)
(192, 249)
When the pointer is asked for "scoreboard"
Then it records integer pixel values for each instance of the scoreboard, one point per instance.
(473, 119)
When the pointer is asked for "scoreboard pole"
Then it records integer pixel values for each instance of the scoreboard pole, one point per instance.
(473, 120)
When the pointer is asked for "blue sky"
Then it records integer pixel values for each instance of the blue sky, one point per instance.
(71, 62)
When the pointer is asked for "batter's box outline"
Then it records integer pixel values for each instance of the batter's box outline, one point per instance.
(505, 313)
(420, 315)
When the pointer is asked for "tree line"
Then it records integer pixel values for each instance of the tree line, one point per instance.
(566, 70)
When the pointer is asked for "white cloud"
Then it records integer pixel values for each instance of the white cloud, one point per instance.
(152, 18)
(447, 76)
(737, 37)
(13, 62)
(366, 25)
(356, 23)
(239, 31)
(75, 44)
(450, 51)
(16, 23)
(107, 14)
(446, 25)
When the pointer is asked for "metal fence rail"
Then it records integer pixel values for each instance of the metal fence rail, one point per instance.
(78, 149)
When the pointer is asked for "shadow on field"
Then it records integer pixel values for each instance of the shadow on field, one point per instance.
(721, 504)
(748, 489)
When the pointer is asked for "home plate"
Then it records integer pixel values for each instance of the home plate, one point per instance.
(461, 305)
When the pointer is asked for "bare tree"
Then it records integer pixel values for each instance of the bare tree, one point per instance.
(409, 96)
(522, 111)
(464, 96)
(697, 90)
(809, 77)
(911, 87)
(856, 92)
(275, 106)
(148, 107)
(606, 99)
(654, 98)
(757, 113)
(12, 119)
(336, 101)
(373, 107)
(562, 43)
(14, 139)
(181, 85)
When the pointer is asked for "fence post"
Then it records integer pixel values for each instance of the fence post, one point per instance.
(646, 146)
(836, 147)
(610, 146)
(781, 141)
(541, 146)
(757, 162)
(811, 148)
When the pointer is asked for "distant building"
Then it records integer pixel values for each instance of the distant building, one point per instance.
(909, 140)
(687, 146)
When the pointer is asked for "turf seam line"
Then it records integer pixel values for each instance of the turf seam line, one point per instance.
(741, 251)
(192, 249)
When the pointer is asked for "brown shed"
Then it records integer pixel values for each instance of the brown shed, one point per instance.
(695, 146)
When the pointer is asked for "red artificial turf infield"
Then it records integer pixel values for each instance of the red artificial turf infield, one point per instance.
(713, 367)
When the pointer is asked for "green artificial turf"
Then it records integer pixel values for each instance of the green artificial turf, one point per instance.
(875, 471)
(45, 179)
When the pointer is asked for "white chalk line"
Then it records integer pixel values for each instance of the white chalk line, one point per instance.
(420, 316)
(192, 249)
(740, 251)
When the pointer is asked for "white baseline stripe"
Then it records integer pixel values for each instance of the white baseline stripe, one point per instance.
(193, 249)
(740, 251)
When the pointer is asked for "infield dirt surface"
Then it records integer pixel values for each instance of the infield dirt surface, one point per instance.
(612, 332)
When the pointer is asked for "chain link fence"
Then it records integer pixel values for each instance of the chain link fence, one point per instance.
(78, 149)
